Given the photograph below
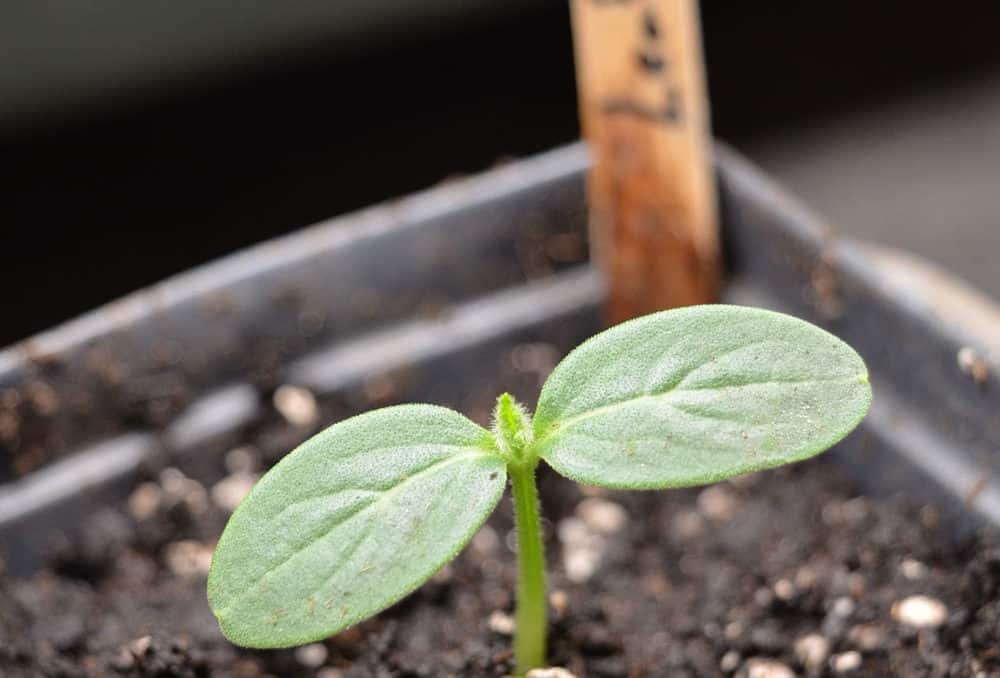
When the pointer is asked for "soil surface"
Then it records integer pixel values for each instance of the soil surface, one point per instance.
(780, 574)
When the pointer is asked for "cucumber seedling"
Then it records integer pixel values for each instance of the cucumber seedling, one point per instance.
(363, 513)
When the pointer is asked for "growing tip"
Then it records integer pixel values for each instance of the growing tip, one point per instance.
(511, 425)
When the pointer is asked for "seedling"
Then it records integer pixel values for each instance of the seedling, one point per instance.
(363, 513)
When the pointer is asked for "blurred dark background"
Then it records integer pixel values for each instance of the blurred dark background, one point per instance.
(140, 139)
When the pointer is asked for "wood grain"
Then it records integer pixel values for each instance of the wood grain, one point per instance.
(644, 111)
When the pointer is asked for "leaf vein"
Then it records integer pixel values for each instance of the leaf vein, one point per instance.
(664, 395)
(255, 585)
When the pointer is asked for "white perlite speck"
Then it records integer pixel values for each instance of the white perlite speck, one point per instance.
(846, 662)
(767, 668)
(297, 405)
(729, 662)
(602, 515)
(140, 646)
(501, 622)
(912, 569)
(188, 558)
(812, 650)
(311, 656)
(784, 589)
(716, 503)
(584, 536)
(551, 672)
(582, 548)
(920, 612)
(866, 637)
(842, 607)
(230, 491)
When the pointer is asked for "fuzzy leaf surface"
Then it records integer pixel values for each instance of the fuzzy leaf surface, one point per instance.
(350, 522)
(694, 395)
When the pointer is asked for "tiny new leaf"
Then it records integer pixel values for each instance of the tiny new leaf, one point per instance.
(694, 395)
(350, 522)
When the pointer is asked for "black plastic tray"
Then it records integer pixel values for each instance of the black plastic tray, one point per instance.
(438, 285)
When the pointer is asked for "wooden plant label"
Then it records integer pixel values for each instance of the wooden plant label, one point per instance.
(651, 191)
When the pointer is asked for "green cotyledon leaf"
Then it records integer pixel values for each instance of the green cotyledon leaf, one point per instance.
(350, 522)
(694, 395)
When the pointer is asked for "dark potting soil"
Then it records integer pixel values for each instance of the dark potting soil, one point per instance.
(786, 573)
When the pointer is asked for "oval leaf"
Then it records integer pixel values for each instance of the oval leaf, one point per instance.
(698, 394)
(350, 522)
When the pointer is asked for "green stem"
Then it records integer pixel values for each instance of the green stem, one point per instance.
(529, 638)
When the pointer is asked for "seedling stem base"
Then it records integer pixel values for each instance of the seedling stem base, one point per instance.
(529, 639)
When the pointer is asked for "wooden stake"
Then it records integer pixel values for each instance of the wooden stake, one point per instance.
(644, 111)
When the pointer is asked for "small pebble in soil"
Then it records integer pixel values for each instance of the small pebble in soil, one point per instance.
(765, 668)
(297, 405)
(486, 542)
(729, 662)
(551, 672)
(920, 612)
(329, 672)
(123, 661)
(140, 646)
(838, 617)
(856, 584)
(688, 525)
(188, 558)
(930, 517)
(855, 511)
(733, 631)
(582, 549)
(784, 590)
(179, 489)
(842, 607)
(912, 569)
(973, 364)
(846, 662)
(580, 563)
(805, 577)
(230, 491)
(242, 459)
(501, 622)
(311, 656)
(717, 503)
(144, 501)
(601, 515)
(812, 650)
(763, 597)
(559, 602)
(866, 637)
